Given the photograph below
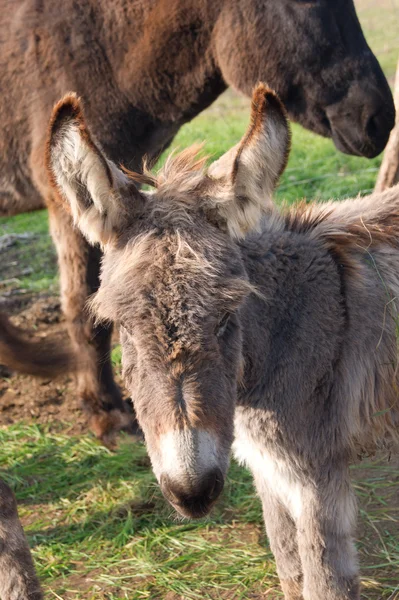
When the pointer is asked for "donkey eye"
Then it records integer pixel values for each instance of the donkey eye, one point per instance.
(221, 328)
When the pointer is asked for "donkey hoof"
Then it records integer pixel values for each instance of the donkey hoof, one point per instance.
(292, 588)
(106, 425)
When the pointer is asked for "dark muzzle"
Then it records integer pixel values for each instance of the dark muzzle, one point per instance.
(195, 499)
(361, 122)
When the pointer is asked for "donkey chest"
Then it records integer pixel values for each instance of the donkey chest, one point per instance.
(258, 446)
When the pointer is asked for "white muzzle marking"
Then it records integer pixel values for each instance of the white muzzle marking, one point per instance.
(187, 455)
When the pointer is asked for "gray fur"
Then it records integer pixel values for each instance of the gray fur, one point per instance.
(306, 366)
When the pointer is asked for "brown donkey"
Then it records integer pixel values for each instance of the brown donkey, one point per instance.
(281, 325)
(146, 68)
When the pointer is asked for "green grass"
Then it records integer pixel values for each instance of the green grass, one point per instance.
(380, 23)
(96, 521)
(101, 516)
(31, 263)
(99, 528)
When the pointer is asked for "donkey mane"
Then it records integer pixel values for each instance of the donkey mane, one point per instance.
(350, 227)
(359, 222)
(183, 173)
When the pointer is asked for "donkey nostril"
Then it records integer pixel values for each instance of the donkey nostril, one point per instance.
(168, 491)
(373, 125)
(325, 121)
(379, 123)
(216, 485)
(194, 500)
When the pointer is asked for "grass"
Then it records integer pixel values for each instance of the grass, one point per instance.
(96, 521)
(30, 264)
(99, 528)
(100, 517)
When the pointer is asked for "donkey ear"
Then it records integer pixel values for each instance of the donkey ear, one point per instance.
(246, 176)
(90, 184)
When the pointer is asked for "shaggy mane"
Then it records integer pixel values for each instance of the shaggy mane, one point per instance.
(358, 224)
(182, 173)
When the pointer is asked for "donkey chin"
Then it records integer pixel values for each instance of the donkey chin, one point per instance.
(191, 468)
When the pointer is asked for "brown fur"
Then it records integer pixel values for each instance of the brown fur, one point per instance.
(42, 358)
(263, 106)
(181, 173)
(382, 227)
(18, 580)
(70, 107)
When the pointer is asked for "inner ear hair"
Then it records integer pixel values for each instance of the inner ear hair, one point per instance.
(266, 110)
(66, 113)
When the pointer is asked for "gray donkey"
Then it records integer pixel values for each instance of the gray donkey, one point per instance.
(278, 328)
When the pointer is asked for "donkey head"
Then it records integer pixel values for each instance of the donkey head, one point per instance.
(315, 54)
(174, 281)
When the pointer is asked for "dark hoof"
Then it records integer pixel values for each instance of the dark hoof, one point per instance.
(292, 588)
(106, 425)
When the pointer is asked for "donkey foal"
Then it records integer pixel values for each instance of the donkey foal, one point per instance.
(235, 315)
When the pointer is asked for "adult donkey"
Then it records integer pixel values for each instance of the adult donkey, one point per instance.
(227, 306)
(145, 68)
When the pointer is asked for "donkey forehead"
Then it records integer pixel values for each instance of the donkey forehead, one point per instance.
(180, 273)
(162, 253)
(172, 276)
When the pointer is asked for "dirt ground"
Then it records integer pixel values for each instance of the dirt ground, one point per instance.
(38, 400)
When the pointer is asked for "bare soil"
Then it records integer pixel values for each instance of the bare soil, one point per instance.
(34, 400)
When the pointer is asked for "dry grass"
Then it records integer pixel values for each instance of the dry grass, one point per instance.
(99, 528)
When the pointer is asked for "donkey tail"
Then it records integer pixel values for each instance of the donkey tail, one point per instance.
(40, 357)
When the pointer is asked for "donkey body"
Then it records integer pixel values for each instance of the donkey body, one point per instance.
(146, 68)
(277, 327)
(321, 362)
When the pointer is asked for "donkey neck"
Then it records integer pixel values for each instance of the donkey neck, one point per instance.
(292, 334)
(162, 55)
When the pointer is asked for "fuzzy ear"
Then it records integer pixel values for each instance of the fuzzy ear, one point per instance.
(246, 176)
(90, 184)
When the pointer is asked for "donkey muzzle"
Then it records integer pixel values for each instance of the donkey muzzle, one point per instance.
(194, 499)
(361, 122)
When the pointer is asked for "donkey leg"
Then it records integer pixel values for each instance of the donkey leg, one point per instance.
(79, 277)
(325, 530)
(282, 533)
(18, 580)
